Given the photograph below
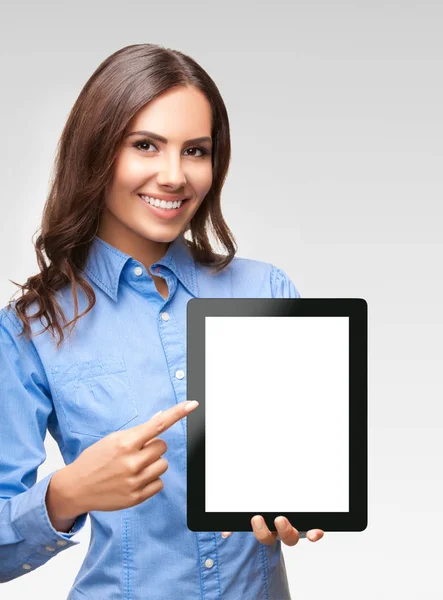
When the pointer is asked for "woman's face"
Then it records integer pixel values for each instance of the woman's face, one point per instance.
(176, 168)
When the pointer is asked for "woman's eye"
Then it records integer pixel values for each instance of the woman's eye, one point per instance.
(138, 144)
(202, 151)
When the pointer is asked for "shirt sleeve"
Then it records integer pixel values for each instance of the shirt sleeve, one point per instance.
(27, 537)
(281, 285)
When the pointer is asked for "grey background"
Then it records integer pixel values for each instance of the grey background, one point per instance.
(336, 116)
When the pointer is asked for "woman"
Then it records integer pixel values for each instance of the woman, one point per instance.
(141, 161)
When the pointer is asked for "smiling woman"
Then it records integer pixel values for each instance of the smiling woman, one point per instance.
(141, 162)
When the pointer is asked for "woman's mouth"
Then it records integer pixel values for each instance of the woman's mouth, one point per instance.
(162, 208)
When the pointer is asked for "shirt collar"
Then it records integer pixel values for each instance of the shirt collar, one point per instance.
(105, 263)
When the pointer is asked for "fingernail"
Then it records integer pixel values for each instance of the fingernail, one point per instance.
(225, 535)
(160, 411)
(258, 523)
(281, 523)
(190, 404)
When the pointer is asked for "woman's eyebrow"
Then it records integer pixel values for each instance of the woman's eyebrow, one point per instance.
(165, 141)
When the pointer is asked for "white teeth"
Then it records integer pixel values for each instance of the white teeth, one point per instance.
(161, 203)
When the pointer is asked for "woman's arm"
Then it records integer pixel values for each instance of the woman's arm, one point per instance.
(28, 538)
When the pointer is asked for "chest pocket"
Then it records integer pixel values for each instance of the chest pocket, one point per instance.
(95, 395)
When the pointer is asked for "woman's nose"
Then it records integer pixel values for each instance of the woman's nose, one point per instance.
(172, 172)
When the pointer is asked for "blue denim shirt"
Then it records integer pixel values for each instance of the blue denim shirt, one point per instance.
(123, 362)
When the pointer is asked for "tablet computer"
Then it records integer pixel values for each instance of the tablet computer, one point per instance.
(281, 428)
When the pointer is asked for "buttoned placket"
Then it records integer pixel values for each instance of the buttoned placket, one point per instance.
(205, 540)
(165, 317)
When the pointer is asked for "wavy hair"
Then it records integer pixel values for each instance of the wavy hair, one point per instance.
(90, 141)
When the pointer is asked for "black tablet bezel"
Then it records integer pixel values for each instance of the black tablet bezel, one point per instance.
(354, 308)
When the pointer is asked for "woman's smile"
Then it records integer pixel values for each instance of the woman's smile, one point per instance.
(163, 209)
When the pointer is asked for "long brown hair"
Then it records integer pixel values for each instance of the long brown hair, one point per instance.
(121, 85)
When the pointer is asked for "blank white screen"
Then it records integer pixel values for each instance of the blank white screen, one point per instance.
(277, 414)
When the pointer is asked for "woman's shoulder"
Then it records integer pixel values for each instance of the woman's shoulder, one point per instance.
(9, 319)
(259, 278)
(250, 265)
(12, 329)
(16, 348)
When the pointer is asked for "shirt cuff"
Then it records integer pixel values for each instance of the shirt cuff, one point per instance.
(31, 519)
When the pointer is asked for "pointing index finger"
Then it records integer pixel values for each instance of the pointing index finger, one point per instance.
(162, 421)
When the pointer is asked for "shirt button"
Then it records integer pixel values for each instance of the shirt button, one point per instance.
(26, 567)
(165, 316)
(138, 271)
(49, 548)
(209, 562)
(62, 543)
(179, 374)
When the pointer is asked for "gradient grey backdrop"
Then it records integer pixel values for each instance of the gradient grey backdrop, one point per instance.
(336, 116)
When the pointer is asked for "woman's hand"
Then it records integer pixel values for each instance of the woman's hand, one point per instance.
(121, 470)
(288, 534)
